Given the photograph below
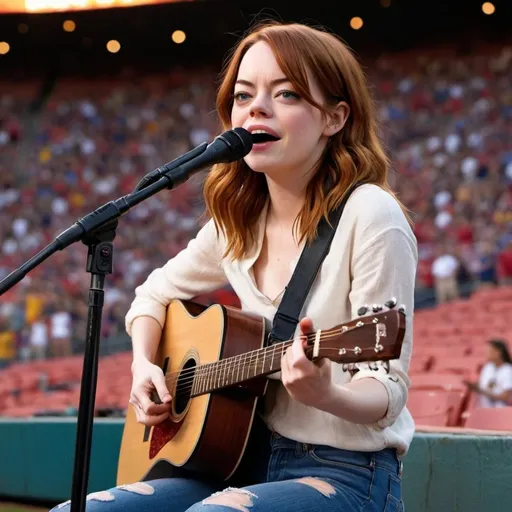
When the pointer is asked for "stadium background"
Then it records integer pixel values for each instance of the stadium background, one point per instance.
(92, 100)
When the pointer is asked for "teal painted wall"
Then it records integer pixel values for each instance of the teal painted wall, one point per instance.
(442, 472)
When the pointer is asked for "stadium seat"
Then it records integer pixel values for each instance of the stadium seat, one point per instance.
(494, 418)
(435, 408)
(435, 381)
(419, 363)
(467, 366)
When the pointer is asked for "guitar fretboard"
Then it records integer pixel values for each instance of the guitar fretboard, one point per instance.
(237, 369)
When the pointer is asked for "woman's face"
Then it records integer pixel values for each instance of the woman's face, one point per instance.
(494, 355)
(265, 100)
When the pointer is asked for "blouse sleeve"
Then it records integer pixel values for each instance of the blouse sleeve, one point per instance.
(195, 270)
(384, 268)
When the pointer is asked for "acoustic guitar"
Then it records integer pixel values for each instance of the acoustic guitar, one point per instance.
(215, 360)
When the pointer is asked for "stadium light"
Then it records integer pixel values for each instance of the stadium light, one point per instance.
(113, 46)
(69, 26)
(356, 22)
(488, 8)
(4, 48)
(178, 36)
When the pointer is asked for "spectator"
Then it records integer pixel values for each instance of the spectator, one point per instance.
(505, 264)
(495, 383)
(60, 344)
(38, 344)
(7, 343)
(445, 271)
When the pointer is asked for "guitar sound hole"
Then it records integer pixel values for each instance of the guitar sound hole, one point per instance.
(184, 386)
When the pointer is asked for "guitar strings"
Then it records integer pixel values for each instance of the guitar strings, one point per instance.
(182, 390)
(244, 359)
(243, 364)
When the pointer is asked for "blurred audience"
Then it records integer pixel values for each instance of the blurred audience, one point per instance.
(447, 121)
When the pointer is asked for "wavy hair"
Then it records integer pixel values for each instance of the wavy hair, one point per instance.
(355, 155)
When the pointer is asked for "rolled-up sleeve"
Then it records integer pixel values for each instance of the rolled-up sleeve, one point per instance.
(196, 270)
(384, 268)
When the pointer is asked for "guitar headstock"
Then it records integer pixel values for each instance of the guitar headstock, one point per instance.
(376, 335)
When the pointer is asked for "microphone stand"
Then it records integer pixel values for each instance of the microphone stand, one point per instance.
(97, 231)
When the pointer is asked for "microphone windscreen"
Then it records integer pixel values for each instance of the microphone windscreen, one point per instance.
(239, 141)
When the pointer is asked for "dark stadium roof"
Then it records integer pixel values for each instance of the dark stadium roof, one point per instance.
(212, 26)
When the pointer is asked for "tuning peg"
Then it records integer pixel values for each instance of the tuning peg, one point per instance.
(377, 307)
(401, 308)
(391, 303)
(363, 310)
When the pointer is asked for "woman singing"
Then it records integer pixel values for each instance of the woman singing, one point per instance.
(335, 437)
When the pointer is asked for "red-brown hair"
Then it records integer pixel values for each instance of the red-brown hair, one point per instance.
(235, 195)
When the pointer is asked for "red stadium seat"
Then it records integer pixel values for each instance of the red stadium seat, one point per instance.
(435, 381)
(435, 408)
(425, 406)
(419, 363)
(467, 366)
(494, 418)
(442, 351)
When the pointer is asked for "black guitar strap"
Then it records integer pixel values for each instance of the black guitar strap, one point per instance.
(288, 313)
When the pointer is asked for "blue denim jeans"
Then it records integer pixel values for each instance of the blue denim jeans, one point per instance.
(297, 477)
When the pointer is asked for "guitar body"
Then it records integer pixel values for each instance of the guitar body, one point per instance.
(206, 433)
(216, 362)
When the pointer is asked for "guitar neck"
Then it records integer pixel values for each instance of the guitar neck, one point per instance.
(241, 368)
(375, 338)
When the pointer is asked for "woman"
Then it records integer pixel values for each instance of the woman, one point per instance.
(495, 383)
(335, 437)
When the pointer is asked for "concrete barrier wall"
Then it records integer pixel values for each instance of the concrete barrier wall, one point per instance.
(449, 471)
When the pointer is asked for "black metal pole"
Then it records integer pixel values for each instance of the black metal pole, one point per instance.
(99, 263)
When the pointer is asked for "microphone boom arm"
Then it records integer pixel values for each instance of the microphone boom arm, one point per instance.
(97, 230)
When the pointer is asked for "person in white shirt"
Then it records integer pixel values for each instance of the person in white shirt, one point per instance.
(337, 435)
(39, 339)
(444, 271)
(61, 334)
(495, 383)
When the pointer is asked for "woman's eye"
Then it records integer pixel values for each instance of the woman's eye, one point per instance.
(241, 96)
(289, 95)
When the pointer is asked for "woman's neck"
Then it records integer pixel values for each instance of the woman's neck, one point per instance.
(286, 200)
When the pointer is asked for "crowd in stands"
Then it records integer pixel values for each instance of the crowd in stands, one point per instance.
(446, 120)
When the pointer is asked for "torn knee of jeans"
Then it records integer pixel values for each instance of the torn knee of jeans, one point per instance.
(138, 488)
(321, 486)
(237, 499)
(101, 496)
(62, 505)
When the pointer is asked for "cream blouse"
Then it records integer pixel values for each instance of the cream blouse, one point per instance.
(373, 257)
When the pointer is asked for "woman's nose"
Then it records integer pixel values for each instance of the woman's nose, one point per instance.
(260, 108)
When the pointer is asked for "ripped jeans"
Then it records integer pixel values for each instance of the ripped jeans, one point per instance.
(297, 477)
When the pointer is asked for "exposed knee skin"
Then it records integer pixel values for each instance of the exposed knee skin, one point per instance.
(320, 485)
(138, 488)
(237, 499)
(101, 496)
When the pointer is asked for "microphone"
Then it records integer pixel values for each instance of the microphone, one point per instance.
(230, 146)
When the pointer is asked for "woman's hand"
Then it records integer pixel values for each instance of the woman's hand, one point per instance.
(148, 384)
(307, 382)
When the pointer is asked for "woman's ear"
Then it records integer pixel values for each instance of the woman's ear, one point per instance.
(337, 119)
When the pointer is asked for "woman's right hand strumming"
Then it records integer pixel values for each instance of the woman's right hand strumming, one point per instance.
(148, 388)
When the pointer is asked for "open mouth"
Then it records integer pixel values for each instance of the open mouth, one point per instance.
(260, 138)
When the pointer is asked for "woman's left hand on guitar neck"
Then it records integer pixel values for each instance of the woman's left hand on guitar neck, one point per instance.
(307, 382)
(362, 401)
